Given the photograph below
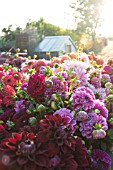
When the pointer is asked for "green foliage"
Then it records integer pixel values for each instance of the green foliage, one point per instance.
(88, 18)
(47, 29)
(8, 39)
(87, 15)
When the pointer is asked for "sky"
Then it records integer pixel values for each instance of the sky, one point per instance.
(20, 12)
(57, 12)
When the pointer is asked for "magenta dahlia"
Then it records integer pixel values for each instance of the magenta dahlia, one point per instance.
(83, 98)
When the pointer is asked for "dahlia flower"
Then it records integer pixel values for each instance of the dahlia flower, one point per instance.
(100, 160)
(36, 85)
(9, 80)
(96, 82)
(101, 107)
(69, 116)
(83, 98)
(81, 75)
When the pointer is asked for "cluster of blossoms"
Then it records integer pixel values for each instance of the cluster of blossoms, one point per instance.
(56, 114)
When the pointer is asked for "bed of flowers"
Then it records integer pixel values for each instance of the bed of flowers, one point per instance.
(56, 114)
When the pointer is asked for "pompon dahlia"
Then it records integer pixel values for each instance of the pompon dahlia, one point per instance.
(105, 79)
(107, 69)
(100, 160)
(86, 126)
(96, 82)
(9, 80)
(36, 85)
(83, 98)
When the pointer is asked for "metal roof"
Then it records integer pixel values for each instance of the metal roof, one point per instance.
(53, 43)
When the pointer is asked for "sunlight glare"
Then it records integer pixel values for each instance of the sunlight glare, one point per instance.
(107, 25)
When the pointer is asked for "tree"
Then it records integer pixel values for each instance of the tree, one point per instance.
(88, 17)
(45, 29)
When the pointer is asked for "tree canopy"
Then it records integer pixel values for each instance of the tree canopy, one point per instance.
(87, 15)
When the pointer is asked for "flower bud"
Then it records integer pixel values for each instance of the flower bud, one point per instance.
(108, 85)
(66, 96)
(72, 75)
(32, 120)
(81, 116)
(77, 83)
(98, 134)
(28, 111)
(110, 98)
(40, 108)
(48, 83)
(110, 121)
(55, 97)
(53, 105)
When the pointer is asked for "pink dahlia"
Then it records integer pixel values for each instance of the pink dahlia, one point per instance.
(38, 63)
(83, 98)
(107, 69)
(36, 85)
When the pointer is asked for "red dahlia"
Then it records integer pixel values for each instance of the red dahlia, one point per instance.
(36, 85)
(9, 80)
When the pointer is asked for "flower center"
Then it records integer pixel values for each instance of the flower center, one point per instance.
(27, 148)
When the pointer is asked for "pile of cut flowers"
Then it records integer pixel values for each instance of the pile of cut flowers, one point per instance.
(56, 114)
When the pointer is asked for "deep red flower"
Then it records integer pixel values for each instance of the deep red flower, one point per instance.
(68, 162)
(21, 149)
(3, 133)
(17, 76)
(21, 119)
(8, 90)
(7, 115)
(9, 80)
(8, 101)
(36, 85)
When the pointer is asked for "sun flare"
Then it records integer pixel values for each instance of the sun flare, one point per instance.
(107, 14)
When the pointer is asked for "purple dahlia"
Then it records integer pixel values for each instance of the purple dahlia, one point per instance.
(100, 160)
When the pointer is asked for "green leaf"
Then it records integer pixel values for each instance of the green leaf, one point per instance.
(1, 111)
(110, 133)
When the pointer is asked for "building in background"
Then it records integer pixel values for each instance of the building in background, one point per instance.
(55, 45)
